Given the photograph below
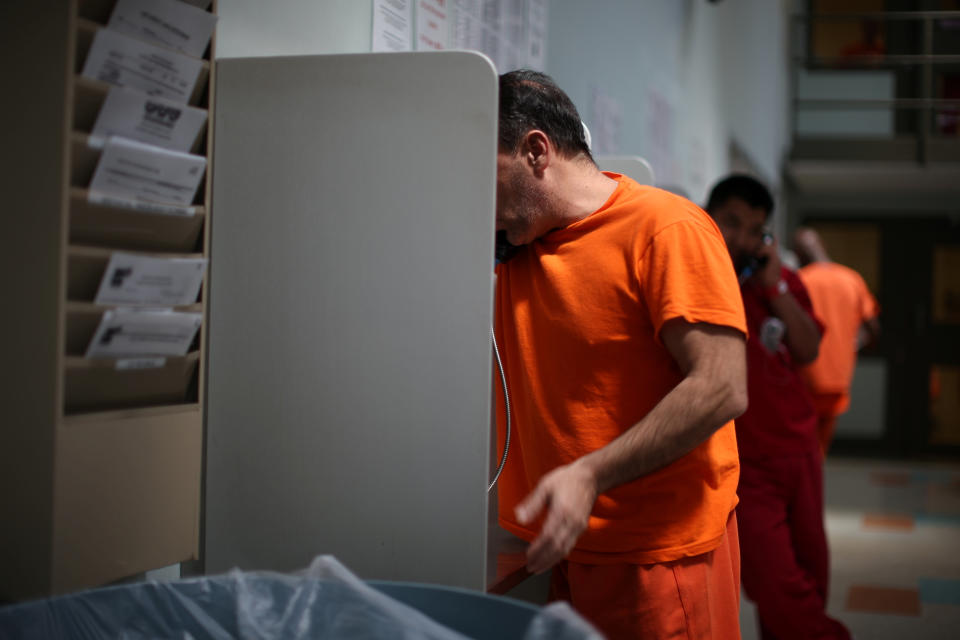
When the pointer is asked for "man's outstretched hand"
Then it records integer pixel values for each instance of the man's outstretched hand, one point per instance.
(567, 493)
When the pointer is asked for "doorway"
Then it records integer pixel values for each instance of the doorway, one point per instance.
(905, 398)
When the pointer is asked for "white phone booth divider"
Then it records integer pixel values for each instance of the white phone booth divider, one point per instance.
(349, 381)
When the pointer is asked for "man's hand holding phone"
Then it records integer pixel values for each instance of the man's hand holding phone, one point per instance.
(799, 331)
(767, 274)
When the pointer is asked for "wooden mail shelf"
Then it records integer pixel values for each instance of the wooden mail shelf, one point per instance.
(103, 384)
(83, 159)
(127, 493)
(88, 97)
(102, 458)
(116, 227)
(96, 10)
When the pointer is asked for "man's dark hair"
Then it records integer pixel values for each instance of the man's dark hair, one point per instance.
(532, 100)
(742, 186)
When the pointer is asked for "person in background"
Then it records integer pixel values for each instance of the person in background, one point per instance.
(783, 546)
(622, 335)
(843, 302)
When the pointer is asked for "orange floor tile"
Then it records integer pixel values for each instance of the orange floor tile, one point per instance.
(888, 521)
(904, 602)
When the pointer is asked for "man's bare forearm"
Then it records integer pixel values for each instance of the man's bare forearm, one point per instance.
(712, 392)
(683, 420)
(712, 360)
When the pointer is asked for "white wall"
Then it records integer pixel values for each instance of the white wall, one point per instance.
(292, 27)
(675, 81)
(753, 63)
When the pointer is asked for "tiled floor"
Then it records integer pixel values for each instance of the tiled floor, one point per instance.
(894, 531)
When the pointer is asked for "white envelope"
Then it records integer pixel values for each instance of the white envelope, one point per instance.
(170, 23)
(127, 62)
(133, 333)
(137, 116)
(148, 280)
(132, 169)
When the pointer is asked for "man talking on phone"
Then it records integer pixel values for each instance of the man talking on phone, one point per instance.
(622, 336)
(784, 557)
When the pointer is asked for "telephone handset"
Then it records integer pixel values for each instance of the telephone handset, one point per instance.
(754, 263)
(503, 250)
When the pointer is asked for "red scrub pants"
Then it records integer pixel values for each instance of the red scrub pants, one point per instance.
(784, 557)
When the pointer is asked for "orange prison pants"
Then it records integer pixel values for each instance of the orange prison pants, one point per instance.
(691, 598)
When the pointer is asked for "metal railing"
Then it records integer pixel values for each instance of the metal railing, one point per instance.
(925, 59)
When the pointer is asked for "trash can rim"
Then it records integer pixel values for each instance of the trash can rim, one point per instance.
(427, 586)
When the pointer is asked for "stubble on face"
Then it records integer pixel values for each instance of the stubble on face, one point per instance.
(522, 202)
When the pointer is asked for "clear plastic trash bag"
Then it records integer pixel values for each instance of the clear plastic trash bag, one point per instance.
(324, 601)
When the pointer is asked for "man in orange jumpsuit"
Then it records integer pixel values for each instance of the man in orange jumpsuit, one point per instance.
(843, 302)
(622, 335)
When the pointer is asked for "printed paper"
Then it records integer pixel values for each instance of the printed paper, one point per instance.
(157, 121)
(431, 25)
(127, 62)
(148, 280)
(133, 333)
(170, 23)
(128, 168)
(392, 20)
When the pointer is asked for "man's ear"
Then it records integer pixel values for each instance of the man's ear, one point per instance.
(537, 150)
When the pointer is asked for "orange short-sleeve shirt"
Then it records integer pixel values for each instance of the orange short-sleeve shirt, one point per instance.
(843, 302)
(579, 313)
